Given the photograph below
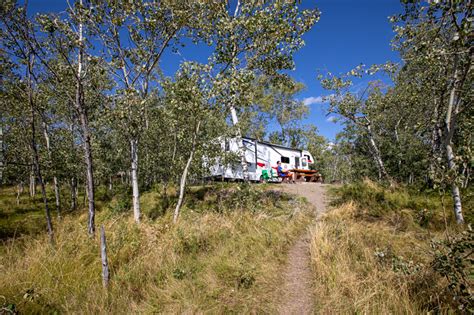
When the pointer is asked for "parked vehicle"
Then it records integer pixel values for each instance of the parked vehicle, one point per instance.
(261, 157)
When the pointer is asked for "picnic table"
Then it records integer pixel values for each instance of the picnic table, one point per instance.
(306, 175)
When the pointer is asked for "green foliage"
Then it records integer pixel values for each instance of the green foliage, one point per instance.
(398, 264)
(154, 204)
(121, 203)
(8, 308)
(453, 260)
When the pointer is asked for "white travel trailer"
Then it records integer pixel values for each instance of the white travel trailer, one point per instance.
(261, 156)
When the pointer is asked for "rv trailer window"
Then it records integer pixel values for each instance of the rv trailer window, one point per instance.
(285, 159)
(252, 167)
(297, 162)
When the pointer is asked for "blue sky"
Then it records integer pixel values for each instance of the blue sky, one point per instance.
(349, 33)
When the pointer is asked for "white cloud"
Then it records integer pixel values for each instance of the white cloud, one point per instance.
(318, 99)
(313, 100)
(331, 119)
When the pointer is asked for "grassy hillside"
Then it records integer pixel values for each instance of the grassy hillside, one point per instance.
(376, 251)
(224, 255)
(385, 251)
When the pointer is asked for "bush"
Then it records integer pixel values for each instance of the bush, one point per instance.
(453, 260)
(239, 197)
(122, 200)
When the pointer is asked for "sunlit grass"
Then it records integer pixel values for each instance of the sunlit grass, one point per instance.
(372, 254)
(222, 258)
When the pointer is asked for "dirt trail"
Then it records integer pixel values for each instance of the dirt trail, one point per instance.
(297, 297)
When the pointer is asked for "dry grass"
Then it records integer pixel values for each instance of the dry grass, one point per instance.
(211, 261)
(369, 258)
(350, 276)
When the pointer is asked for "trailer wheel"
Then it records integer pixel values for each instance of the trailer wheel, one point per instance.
(262, 180)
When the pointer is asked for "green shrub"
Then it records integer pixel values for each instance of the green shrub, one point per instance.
(453, 260)
(122, 201)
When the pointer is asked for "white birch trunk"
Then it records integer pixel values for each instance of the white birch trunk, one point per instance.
(73, 194)
(134, 173)
(19, 191)
(55, 179)
(466, 175)
(240, 144)
(57, 196)
(103, 255)
(457, 206)
(449, 126)
(235, 121)
(80, 106)
(184, 176)
(376, 154)
(397, 138)
(32, 183)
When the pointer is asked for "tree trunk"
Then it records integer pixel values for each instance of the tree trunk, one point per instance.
(84, 120)
(397, 139)
(457, 206)
(134, 171)
(450, 122)
(19, 191)
(55, 179)
(73, 194)
(436, 138)
(103, 254)
(240, 144)
(57, 196)
(182, 185)
(175, 144)
(89, 163)
(376, 153)
(34, 150)
(32, 181)
(466, 174)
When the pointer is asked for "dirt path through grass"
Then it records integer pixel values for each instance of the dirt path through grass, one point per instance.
(296, 293)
